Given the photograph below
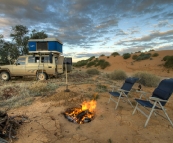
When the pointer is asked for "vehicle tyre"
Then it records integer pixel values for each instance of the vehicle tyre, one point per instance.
(42, 76)
(5, 76)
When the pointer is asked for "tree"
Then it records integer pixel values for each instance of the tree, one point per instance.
(38, 35)
(8, 52)
(19, 35)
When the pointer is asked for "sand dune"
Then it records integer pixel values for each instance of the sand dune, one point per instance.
(154, 66)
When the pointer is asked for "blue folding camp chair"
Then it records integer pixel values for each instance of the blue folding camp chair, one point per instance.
(123, 91)
(157, 101)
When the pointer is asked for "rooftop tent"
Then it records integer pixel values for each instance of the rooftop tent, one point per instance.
(45, 45)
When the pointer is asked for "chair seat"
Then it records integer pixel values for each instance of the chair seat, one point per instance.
(116, 94)
(146, 103)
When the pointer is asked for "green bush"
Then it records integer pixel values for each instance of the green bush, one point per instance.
(155, 55)
(93, 72)
(151, 50)
(143, 56)
(134, 57)
(165, 58)
(91, 58)
(102, 55)
(115, 54)
(118, 75)
(80, 63)
(91, 64)
(169, 62)
(102, 63)
(147, 79)
(126, 55)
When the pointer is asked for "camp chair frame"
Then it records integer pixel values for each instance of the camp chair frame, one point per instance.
(155, 104)
(120, 93)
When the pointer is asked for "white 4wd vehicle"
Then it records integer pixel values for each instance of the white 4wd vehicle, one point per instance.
(41, 66)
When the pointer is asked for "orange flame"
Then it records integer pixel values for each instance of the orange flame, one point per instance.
(91, 105)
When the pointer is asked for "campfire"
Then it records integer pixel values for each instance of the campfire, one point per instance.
(83, 114)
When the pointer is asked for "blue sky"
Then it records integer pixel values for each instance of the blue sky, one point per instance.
(94, 27)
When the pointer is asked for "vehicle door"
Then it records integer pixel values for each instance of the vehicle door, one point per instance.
(48, 66)
(60, 64)
(32, 65)
(19, 67)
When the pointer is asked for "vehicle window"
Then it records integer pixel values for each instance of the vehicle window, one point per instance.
(21, 61)
(45, 60)
(37, 59)
(33, 59)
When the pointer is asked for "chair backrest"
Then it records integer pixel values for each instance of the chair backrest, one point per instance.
(164, 90)
(128, 84)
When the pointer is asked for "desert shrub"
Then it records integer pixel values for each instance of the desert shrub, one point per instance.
(155, 55)
(102, 55)
(115, 54)
(93, 72)
(134, 57)
(126, 55)
(92, 63)
(169, 62)
(118, 75)
(41, 87)
(101, 88)
(91, 58)
(18, 98)
(138, 52)
(165, 58)
(147, 79)
(102, 63)
(80, 63)
(143, 56)
(151, 50)
(108, 57)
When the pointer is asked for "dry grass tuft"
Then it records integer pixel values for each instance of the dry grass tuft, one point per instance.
(147, 79)
(117, 75)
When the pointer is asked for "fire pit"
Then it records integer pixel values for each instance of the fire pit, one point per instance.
(83, 114)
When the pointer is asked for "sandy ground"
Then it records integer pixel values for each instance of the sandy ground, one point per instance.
(47, 125)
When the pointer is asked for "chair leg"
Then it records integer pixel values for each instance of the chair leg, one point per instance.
(109, 98)
(130, 103)
(135, 109)
(167, 115)
(118, 101)
(150, 114)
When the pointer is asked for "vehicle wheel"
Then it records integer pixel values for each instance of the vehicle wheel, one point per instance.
(5, 76)
(42, 76)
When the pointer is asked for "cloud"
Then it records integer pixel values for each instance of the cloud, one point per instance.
(88, 23)
(147, 38)
(162, 24)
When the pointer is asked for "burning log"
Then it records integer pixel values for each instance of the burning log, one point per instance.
(81, 115)
(9, 125)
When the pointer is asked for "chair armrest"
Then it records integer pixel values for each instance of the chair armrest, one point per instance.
(157, 99)
(113, 87)
(143, 93)
(122, 90)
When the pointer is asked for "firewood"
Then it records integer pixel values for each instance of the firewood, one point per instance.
(9, 125)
